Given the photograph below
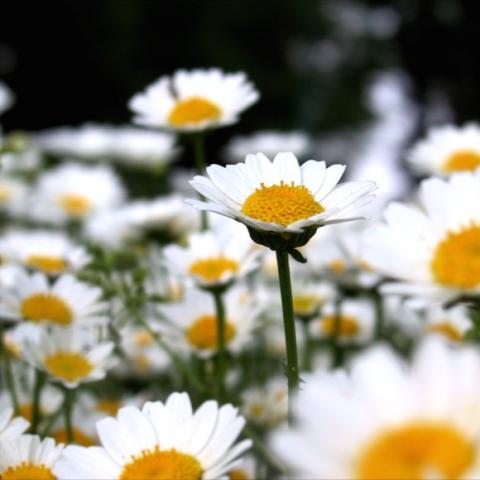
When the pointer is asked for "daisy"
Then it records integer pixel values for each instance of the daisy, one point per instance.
(245, 471)
(447, 149)
(70, 356)
(161, 441)
(65, 302)
(50, 252)
(11, 428)
(29, 457)
(384, 420)
(214, 258)
(15, 338)
(194, 100)
(450, 323)
(310, 296)
(416, 244)
(280, 196)
(13, 196)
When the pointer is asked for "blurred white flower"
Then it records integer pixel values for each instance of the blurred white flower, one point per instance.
(6, 98)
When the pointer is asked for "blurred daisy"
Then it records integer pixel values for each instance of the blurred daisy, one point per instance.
(450, 323)
(194, 100)
(447, 149)
(11, 428)
(16, 337)
(310, 296)
(280, 196)
(24, 161)
(194, 321)
(13, 196)
(355, 324)
(75, 192)
(269, 143)
(247, 470)
(50, 252)
(29, 457)
(70, 356)
(416, 244)
(67, 301)
(386, 421)
(161, 441)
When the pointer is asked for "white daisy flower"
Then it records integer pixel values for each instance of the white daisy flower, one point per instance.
(247, 470)
(194, 100)
(15, 338)
(416, 244)
(50, 252)
(451, 323)
(161, 441)
(13, 196)
(70, 355)
(75, 192)
(11, 427)
(269, 143)
(20, 162)
(213, 258)
(194, 322)
(280, 196)
(356, 323)
(29, 457)
(383, 420)
(446, 150)
(65, 302)
(309, 296)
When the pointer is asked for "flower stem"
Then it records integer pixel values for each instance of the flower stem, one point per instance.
(220, 316)
(9, 381)
(379, 316)
(289, 325)
(200, 165)
(68, 411)
(37, 391)
(337, 350)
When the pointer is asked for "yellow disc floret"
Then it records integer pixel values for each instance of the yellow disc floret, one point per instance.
(203, 332)
(463, 160)
(345, 325)
(162, 465)
(28, 471)
(49, 264)
(282, 204)
(46, 307)
(212, 269)
(456, 259)
(415, 452)
(75, 205)
(69, 366)
(194, 111)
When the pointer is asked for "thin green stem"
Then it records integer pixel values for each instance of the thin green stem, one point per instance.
(37, 392)
(50, 421)
(9, 381)
(68, 404)
(337, 350)
(379, 315)
(220, 364)
(198, 140)
(289, 325)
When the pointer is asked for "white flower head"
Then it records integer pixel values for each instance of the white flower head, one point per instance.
(194, 100)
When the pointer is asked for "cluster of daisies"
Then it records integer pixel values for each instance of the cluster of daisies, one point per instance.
(258, 318)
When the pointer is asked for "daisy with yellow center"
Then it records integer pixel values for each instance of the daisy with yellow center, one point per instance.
(446, 150)
(195, 100)
(386, 421)
(160, 441)
(450, 323)
(310, 296)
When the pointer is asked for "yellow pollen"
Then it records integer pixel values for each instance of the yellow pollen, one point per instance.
(237, 474)
(447, 330)
(68, 366)
(46, 307)
(282, 204)
(143, 339)
(194, 111)
(203, 332)
(337, 266)
(162, 465)
(456, 259)
(417, 451)
(347, 325)
(28, 471)
(75, 205)
(213, 269)
(50, 265)
(108, 406)
(80, 438)
(462, 160)
(5, 194)
(305, 305)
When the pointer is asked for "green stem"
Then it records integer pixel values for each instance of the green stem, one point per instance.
(68, 412)
(48, 424)
(379, 316)
(37, 391)
(200, 165)
(220, 364)
(10, 382)
(337, 350)
(289, 325)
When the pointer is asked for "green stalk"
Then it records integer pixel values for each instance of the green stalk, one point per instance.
(337, 350)
(220, 364)
(68, 403)
(10, 382)
(289, 325)
(200, 165)
(37, 391)
(379, 316)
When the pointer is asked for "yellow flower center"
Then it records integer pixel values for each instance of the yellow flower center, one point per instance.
(28, 471)
(75, 205)
(108, 406)
(337, 266)
(79, 437)
(203, 333)
(447, 330)
(282, 204)
(238, 474)
(50, 265)
(162, 465)
(5, 194)
(142, 362)
(415, 452)
(193, 111)
(212, 269)
(347, 325)
(143, 339)
(305, 305)
(46, 307)
(26, 411)
(68, 366)
(456, 259)
(462, 160)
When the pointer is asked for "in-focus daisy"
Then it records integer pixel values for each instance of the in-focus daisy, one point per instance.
(161, 441)
(416, 244)
(11, 427)
(29, 457)
(70, 355)
(213, 258)
(446, 150)
(65, 302)
(384, 420)
(50, 252)
(194, 100)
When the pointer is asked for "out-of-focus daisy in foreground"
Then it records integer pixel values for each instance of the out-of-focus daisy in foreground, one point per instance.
(194, 100)
(385, 421)
(446, 150)
(161, 441)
